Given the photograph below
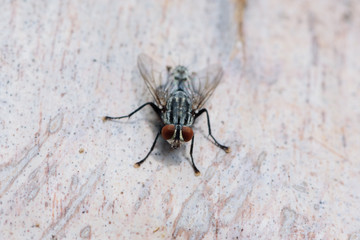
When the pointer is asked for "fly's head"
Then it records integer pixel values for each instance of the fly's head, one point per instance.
(180, 73)
(176, 134)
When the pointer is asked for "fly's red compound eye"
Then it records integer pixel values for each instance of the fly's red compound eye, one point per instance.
(167, 132)
(187, 133)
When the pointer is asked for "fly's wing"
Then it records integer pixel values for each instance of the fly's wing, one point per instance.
(204, 83)
(154, 78)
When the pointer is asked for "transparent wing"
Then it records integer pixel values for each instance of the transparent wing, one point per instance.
(154, 77)
(204, 83)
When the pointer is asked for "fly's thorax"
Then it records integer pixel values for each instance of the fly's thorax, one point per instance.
(178, 109)
(176, 134)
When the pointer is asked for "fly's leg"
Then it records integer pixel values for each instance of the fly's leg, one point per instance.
(156, 109)
(197, 172)
(225, 148)
(138, 164)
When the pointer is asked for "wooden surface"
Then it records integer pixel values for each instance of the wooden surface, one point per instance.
(288, 106)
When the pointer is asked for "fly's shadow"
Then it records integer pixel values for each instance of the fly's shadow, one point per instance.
(168, 156)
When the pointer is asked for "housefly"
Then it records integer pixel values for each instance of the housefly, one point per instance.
(179, 98)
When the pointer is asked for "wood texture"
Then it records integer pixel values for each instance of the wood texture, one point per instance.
(288, 106)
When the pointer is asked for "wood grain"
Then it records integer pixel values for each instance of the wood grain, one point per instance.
(288, 106)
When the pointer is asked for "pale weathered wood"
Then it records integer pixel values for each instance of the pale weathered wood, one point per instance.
(288, 106)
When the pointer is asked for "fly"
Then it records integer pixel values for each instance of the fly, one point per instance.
(179, 98)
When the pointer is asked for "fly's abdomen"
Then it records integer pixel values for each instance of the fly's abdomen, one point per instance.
(178, 109)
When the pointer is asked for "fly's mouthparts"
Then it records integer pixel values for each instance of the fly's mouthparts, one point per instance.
(175, 144)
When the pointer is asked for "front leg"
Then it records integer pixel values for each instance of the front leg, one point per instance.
(151, 149)
(197, 172)
(225, 148)
(156, 109)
